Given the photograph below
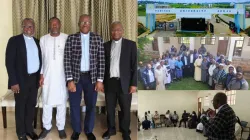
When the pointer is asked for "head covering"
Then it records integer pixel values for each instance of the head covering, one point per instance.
(221, 64)
(157, 64)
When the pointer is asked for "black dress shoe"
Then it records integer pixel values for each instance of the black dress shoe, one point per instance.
(75, 136)
(62, 134)
(22, 138)
(126, 137)
(90, 136)
(32, 135)
(107, 134)
(43, 134)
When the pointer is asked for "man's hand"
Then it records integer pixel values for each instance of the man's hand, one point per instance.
(132, 89)
(99, 87)
(41, 80)
(15, 88)
(71, 86)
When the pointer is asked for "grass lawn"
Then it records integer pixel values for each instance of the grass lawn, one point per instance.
(188, 84)
(191, 34)
(229, 15)
(185, 84)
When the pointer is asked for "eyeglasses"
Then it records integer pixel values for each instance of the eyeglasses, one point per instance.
(85, 23)
(118, 30)
(26, 27)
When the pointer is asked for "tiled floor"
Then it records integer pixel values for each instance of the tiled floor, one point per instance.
(170, 133)
(100, 127)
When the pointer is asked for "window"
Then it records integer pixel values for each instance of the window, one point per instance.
(185, 40)
(231, 97)
(238, 47)
(208, 40)
(223, 38)
(199, 100)
(206, 101)
(166, 40)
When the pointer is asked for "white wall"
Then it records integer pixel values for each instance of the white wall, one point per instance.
(5, 34)
(162, 101)
(241, 107)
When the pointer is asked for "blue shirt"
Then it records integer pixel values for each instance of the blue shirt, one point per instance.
(179, 64)
(85, 52)
(171, 63)
(33, 62)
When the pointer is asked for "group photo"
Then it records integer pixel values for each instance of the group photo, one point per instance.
(196, 115)
(71, 72)
(193, 63)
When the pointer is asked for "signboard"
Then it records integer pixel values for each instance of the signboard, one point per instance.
(194, 11)
(156, 9)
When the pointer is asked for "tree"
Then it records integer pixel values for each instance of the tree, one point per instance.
(142, 41)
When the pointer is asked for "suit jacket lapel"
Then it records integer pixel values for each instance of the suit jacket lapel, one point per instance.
(24, 50)
(90, 44)
(79, 45)
(123, 54)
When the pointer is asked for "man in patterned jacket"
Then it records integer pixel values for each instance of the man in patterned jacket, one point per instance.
(84, 63)
(222, 125)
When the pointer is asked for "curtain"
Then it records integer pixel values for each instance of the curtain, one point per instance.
(102, 12)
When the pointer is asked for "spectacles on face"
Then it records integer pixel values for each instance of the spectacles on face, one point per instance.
(85, 23)
(28, 27)
(116, 30)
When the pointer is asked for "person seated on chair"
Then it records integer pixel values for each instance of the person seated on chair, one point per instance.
(184, 118)
(146, 124)
(193, 120)
(199, 128)
(174, 118)
(156, 118)
(168, 118)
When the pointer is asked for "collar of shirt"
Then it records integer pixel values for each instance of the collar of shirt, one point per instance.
(117, 41)
(220, 108)
(85, 35)
(27, 37)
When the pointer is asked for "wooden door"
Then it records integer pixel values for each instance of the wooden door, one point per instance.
(222, 47)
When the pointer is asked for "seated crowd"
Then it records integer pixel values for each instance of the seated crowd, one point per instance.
(168, 119)
(216, 71)
(218, 124)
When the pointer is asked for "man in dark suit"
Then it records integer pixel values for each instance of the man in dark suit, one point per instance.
(84, 63)
(191, 58)
(184, 118)
(222, 125)
(186, 67)
(149, 78)
(120, 79)
(23, 63)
